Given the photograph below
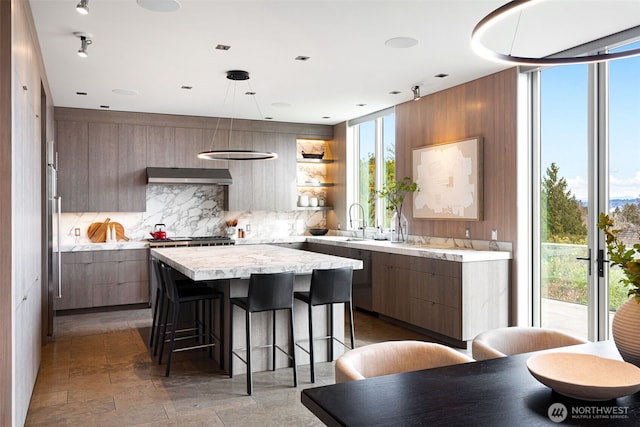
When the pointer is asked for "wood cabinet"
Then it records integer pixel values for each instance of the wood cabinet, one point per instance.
(101, 167)
(103, 156)
(455, 299)
(73, 165)
(266, 184)
(104, 278)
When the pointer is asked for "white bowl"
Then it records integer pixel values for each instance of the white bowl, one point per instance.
(585, 376)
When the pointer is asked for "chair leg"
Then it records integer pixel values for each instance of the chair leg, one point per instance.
(311, 354)
(273, 341)
(353, 335)
(249, 378)
(162, 314)
(174, 325)
(209, 329)
(230, 344)
(154, 325)
(163, 337)
(292, 346)
(221, 333)
(330, 332)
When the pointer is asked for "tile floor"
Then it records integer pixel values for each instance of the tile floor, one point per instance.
(97, 371)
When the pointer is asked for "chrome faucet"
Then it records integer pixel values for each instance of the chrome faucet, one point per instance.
(363, 220)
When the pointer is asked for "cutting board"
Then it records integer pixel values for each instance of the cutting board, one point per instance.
(97, 231)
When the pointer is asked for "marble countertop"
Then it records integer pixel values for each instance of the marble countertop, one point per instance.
(227, 262)
(413, 249)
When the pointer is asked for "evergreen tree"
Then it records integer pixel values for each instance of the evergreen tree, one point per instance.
(562, 214)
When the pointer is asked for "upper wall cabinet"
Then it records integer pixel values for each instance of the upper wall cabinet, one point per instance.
(103, 156)
(263, 184)
(101, 167)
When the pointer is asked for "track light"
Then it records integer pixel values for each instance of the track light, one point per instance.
(84, 42)
(416, 92)
(83, 7)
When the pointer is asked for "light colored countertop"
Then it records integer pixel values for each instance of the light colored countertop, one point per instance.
(427, 251)
(414, 249)
(228, 262)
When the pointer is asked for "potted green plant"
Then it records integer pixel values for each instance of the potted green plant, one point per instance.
(395, 193)
(626, 321)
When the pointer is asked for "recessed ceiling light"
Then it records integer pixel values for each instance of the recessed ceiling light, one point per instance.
(268, 118)
(441, 75)
(394, 92)
(326, 117)
(159, 5)
(127, 92)
(360, 105)
(401, 42)
(281, 104)
(105, 106)
(249, 93)
(81, 93)
(302, 58)
(185, 87)
(223, 47)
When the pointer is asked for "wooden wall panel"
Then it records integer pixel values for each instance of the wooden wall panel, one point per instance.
(485, 107)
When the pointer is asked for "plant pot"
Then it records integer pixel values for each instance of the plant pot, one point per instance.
(399, 228)
(625, 327)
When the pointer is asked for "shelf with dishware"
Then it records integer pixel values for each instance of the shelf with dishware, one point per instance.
(313, 160)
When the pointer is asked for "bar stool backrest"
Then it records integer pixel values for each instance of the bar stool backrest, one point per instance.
(272, 291)
(331, 286)
(168, 283)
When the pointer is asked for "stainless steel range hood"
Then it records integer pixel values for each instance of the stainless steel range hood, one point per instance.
(188, 176)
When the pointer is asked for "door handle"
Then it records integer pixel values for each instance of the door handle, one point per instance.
(601, 262)
(588, 258)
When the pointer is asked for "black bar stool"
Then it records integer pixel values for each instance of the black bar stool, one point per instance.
(203, 332)
(267, 292)
(159, 307)
(328, 287)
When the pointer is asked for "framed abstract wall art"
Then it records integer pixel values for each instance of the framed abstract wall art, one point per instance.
(449, 176)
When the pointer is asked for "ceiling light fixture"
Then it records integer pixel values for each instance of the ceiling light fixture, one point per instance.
(160, 5)
(229, 154)
(416, 92)
(85, 41)
(516, 6)
(83, 7)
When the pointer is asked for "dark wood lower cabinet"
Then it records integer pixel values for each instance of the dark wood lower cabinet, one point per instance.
(104, 278)
(455, 299)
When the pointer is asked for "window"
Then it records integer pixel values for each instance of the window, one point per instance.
(372, 159)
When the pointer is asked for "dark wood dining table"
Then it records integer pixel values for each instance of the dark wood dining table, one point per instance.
(496, 392)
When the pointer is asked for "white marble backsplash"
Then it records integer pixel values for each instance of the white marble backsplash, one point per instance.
(191, 210)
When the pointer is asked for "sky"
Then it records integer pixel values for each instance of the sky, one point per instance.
(564, 125)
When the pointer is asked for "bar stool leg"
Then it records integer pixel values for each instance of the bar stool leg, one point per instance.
(311, 354)
(353, 344)
(273, 342)
(221, 333)
(174, 325)
(230, 343)
(292, 346)
(163, 313)
(249, 378)
(154, 325)
(331, 331)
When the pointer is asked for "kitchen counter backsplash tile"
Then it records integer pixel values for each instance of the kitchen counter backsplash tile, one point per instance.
(190, 210)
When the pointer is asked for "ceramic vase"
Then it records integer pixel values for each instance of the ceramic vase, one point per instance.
(400, 228)
(625, 327)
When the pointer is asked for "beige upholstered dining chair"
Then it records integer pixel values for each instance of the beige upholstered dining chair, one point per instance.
(503, 342)
(393, 357)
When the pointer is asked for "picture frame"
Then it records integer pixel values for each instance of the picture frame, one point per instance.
(449, 177)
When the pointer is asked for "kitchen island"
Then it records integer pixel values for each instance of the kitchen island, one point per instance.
(229, 267)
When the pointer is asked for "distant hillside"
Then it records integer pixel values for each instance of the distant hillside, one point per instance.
(614, 203)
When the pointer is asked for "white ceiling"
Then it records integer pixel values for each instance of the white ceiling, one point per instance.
(156, 53)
